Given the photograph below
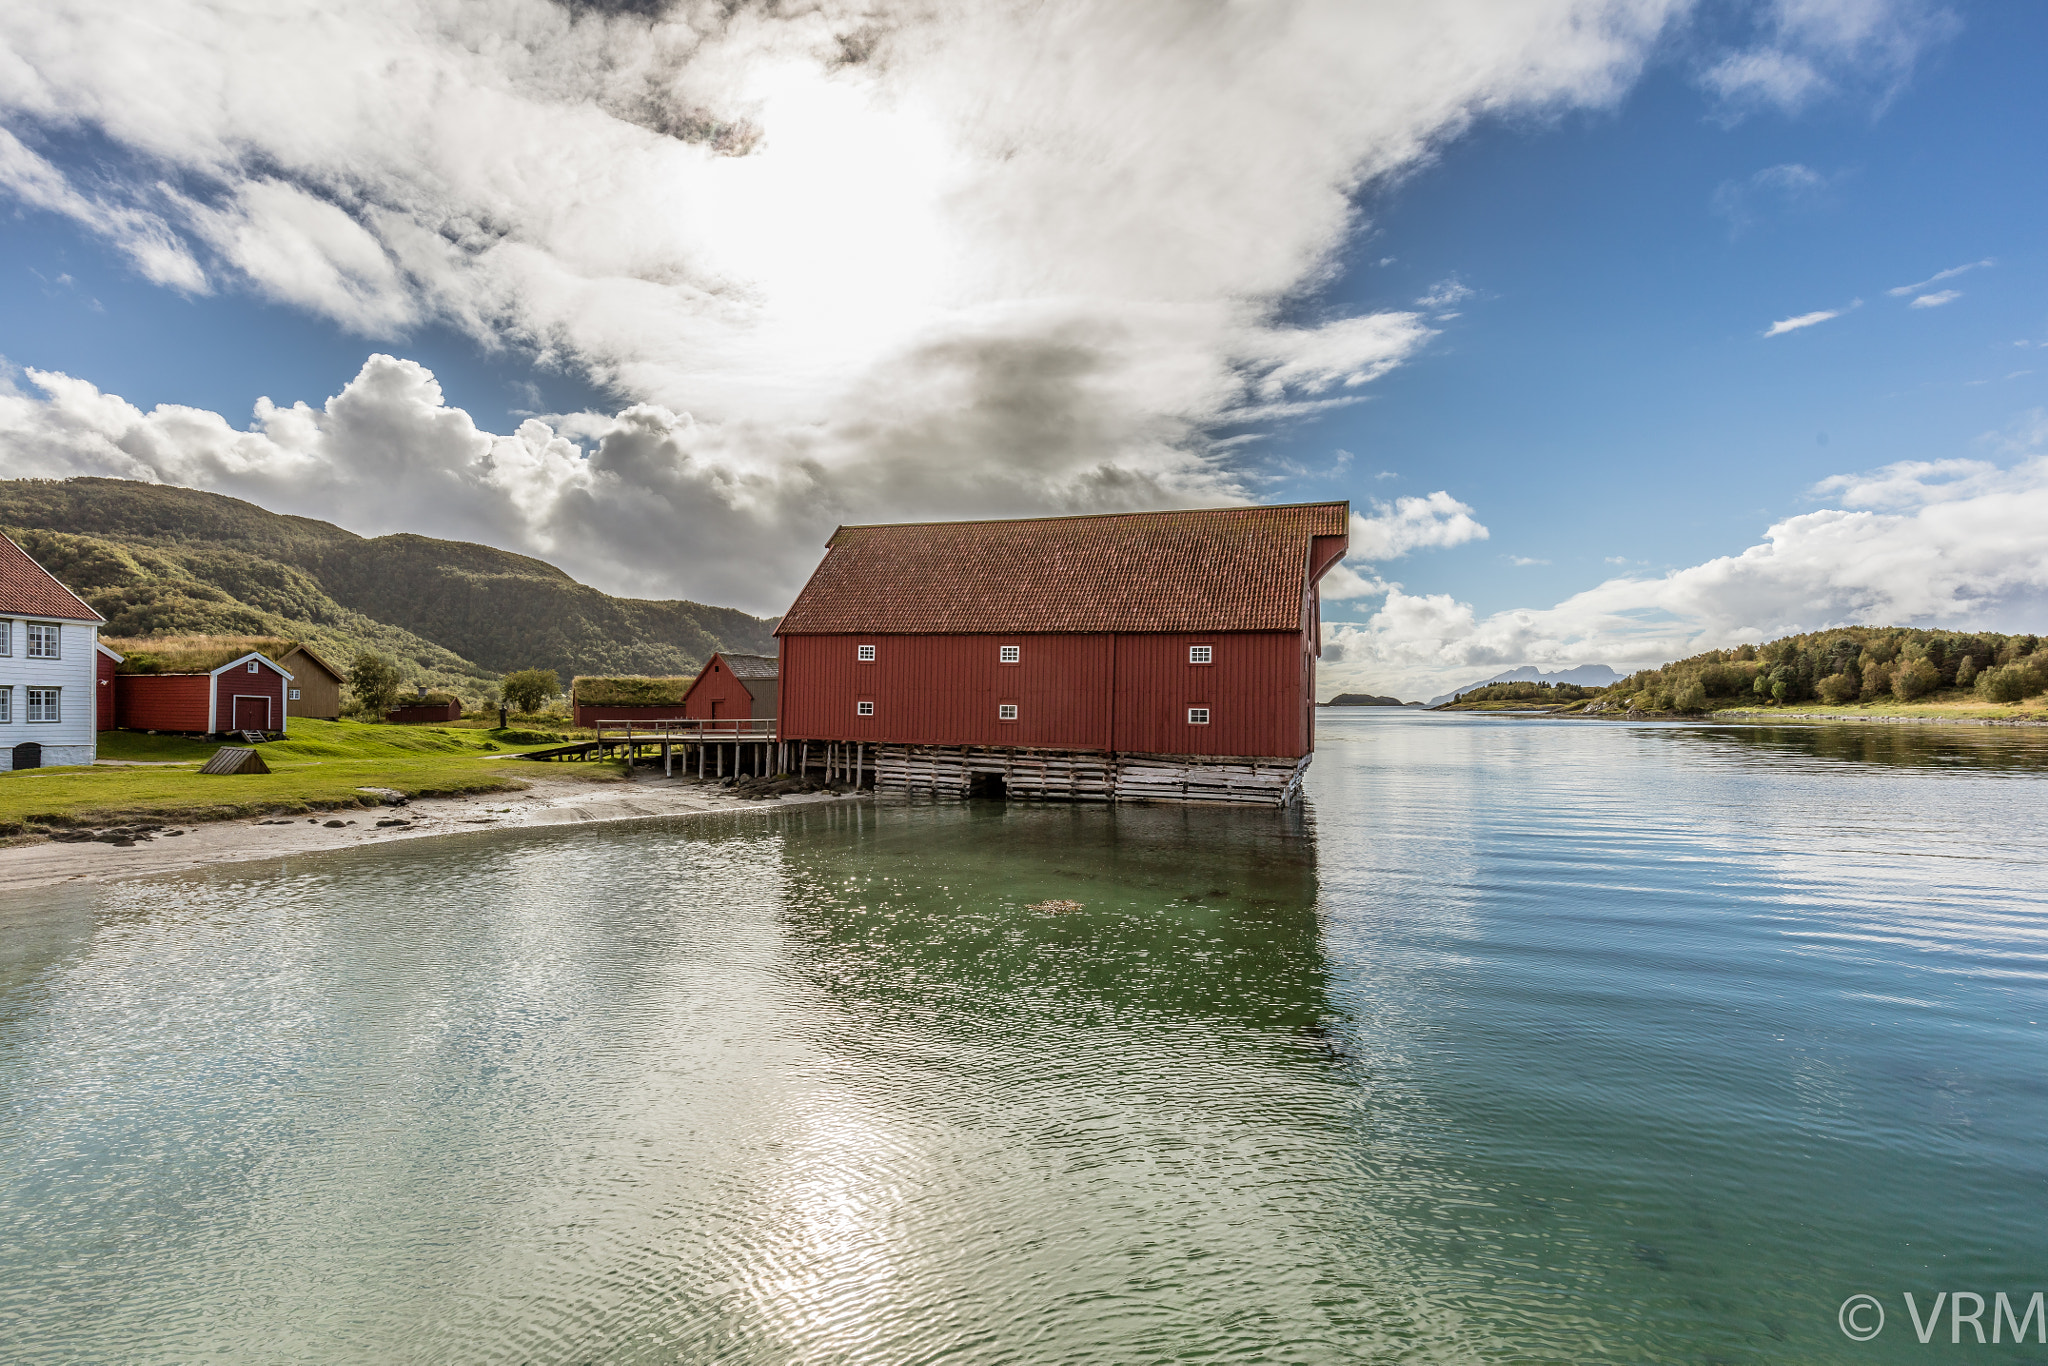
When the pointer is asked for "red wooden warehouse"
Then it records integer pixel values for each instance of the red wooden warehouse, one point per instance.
(245, 693)
(733, 688)
(1127, 656)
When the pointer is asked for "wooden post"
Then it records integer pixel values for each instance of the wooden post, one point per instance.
(668, 761)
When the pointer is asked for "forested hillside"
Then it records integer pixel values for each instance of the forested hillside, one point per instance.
(1850, 664)
(156, 560)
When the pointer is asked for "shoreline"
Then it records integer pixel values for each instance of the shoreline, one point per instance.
(1778, 718)
(545, 802)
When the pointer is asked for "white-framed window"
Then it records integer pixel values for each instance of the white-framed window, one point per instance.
(44, 704)
(1010, 654)
(6, 637)
(866, 654)
(6, 706)
(294, 695)
(863, 709)
(252, 666)
(1006, 711)
(44, 640)
(1201, 654)
(1198, 716)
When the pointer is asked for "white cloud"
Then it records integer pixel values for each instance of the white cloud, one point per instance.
(1784, 325)
(1809, 49)
(144, 238)
(1936, 300)
(1958, 543)
(1902, 290)
(985, 258)
(1445, 294)
(1784, 188)
(1406, 524)
(1524, 561)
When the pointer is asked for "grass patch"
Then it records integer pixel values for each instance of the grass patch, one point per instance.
(319, 768)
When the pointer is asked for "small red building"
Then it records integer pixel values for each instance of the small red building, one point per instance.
(733, 687)
(245, 693)
(1111, 657)
(105, 693)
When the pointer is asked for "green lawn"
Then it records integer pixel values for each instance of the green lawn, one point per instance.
(319, 768)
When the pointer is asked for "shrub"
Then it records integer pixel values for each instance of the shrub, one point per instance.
(1691, 697)
(1836, 689)
(527, 690)
(2001, 685)
(1966, 672)
(1915, 679)
(373, 680)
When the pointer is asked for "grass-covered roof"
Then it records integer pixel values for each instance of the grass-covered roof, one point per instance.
(190, 654)
(631, 691)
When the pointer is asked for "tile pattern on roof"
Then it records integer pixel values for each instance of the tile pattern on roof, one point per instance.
(1213, 569)
(29, 590)
(750, 666)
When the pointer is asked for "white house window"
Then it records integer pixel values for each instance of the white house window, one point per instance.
(42, 641)
(1198, 716)
(1006, 711)
(1201, 654)
(1010, 654)
(42, 704)
(6, 637)
(295, 694)
(867, 654)
(252, 666)
(6, 705)
(863, 709)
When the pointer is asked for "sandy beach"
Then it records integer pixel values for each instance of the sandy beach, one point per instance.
(548, 801)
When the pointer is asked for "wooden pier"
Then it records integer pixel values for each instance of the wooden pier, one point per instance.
(752, 748)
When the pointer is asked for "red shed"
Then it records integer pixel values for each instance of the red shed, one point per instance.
(733, 687)
(105, 712)
(1107, 656)
(246, 693)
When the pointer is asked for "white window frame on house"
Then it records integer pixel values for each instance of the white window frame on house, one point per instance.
(863, 709)
(1201, 654)
(6, 705)
(6, 638)
(252, 666)
(294, 695)
(864, 653)
(1009, 654)
(49, 700)
(40, 632)
(1006, 711)
(1198, 716)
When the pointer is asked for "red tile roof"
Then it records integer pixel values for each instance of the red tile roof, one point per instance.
(29, 590)
(1209, 569)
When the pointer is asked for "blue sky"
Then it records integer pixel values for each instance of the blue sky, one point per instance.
(1609, 392)
(867, 290)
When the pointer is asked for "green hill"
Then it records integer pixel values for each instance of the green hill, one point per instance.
(157, 560)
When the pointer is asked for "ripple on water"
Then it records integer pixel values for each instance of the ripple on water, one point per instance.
(1520, 1042)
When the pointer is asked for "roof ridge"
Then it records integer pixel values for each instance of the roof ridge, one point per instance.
(1344, 503)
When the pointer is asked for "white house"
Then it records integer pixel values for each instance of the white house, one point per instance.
(49, 667)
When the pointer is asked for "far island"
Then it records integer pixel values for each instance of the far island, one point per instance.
(1361, 699)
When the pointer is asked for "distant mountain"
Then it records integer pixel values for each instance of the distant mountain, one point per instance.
(1586, 676)
(157, 560)
(1366, 699)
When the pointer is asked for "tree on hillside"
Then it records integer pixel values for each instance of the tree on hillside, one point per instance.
(373, 680)
(528, 690)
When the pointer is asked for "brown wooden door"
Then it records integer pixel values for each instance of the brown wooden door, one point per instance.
(252, 713)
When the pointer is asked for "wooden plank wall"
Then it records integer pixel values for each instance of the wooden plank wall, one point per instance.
(1066, 775)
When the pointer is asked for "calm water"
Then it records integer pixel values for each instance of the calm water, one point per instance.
(1521, 1042)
